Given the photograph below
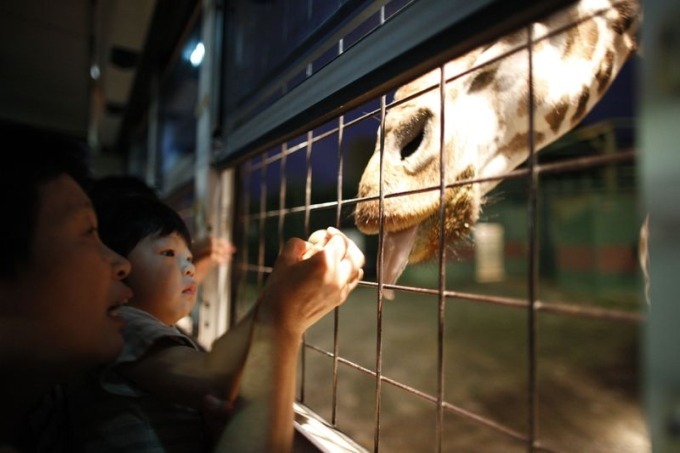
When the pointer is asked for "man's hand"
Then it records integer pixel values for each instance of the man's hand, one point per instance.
(309, 279)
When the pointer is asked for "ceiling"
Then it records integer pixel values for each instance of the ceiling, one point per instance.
(48, 50)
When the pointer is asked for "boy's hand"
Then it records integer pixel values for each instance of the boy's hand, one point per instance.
(210, 252)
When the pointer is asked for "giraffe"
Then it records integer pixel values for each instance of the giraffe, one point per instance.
(486, 123)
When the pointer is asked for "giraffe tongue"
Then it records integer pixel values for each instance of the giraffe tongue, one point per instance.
(397, 248)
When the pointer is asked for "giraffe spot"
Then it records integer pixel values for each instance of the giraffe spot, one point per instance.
(604, 74)
(521, 141)
(555, 117)
(522, 109)
(570, 39)
(482, 81)
(513, 39)
(592, 36)
(581, 40)
(540, 91)
(625, 18)
(582, 105)
(540, 138)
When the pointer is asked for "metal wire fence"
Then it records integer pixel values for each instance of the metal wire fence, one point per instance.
(358, 365)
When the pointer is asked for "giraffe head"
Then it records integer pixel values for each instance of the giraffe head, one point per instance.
(486, 125)
(412, 159)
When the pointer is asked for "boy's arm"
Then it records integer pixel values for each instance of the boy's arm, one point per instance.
(210, 252)
(184, 375)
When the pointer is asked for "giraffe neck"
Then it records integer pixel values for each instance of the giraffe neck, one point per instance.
(570, 73)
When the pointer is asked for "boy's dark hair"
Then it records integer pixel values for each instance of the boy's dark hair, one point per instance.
(126, 220)
(32, 158)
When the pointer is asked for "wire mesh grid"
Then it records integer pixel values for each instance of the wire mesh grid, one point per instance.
(310, 182)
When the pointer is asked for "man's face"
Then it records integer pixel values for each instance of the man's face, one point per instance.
(72, 287)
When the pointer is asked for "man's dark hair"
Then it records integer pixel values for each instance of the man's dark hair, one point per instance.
(126, 220)
(31, 158)
(116, 186)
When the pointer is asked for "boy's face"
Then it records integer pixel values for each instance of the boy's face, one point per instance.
(68, 296)
(162, 277)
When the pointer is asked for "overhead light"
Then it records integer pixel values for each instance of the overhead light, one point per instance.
(197, 55)
(94, 72)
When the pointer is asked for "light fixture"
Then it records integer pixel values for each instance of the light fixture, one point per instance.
(94, 72)
(197, 55)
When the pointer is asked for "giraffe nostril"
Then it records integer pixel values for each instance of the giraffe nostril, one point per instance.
(412, 146)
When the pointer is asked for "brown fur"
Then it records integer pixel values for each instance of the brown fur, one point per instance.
(604, 75)
(557, 114)
(482, 81)
(582, 105)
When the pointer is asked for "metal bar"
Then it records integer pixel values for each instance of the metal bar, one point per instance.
(267, 160)
(573, 309)
(532, 204)
(338, 222)
(578, 163)
(336, 311)
(308, 196)
(261, 224)
(282, 196)
(245, 175)
(380, 264)
(442, 264)
(308, 183)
